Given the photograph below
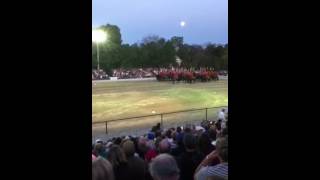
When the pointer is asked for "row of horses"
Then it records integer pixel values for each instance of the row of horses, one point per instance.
(188, 76)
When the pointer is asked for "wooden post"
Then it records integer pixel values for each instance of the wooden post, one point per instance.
(162, 121)
(206, 114)
(106, 127)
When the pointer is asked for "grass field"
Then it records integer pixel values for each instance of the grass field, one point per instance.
(112, 100)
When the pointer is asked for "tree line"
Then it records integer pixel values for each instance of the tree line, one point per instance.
(154, 51)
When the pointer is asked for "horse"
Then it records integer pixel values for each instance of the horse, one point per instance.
(214, 75)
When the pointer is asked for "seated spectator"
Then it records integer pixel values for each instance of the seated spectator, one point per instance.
(169, 136)
(157, 134)
(164, 167)
(176, 151)
(102, 169)
(212, 133)
(187, 129)
(118, 160)
(136, 166)
(220, 170)
(142, 147)
(205, 145)
(117, 141)
(99, 150)
(157, 141)
(190, 159)
(164, 146)
(151, 153)
(151, 136)
(179, 134)
(205, 124)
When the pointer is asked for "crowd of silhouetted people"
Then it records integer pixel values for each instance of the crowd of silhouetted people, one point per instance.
(179, 153)
(175, 74)
(134, 73)
(99, 75)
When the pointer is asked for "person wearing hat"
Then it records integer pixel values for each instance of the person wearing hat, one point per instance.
(151, 153)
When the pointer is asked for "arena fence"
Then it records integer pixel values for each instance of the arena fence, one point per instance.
(133, 124)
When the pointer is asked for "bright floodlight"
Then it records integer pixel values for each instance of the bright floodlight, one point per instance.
(99, 36)
(182, 23)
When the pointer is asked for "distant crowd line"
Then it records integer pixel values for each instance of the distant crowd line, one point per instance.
(175, 74)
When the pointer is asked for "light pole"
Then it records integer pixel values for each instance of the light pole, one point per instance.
(182, 25)
(98, 36)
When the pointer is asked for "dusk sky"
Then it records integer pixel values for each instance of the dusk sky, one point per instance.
(206, 20)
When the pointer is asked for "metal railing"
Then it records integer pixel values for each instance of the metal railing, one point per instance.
(161, 116)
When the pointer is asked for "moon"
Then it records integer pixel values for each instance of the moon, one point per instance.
(182, 23)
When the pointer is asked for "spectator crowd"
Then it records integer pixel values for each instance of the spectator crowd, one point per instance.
(160, 73)
(99, 75)
(134, 73)
(179, 153)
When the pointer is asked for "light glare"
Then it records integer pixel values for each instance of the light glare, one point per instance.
(182, 23)
(99, 36)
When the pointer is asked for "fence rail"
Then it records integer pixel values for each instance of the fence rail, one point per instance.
(161, 115)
